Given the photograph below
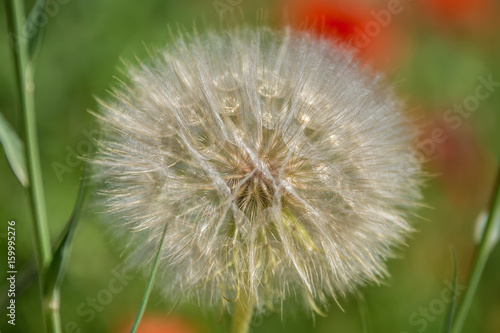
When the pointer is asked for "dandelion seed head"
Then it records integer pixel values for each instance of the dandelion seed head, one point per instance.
(279, 166)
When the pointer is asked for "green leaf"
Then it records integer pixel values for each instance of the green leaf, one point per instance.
(58, 264)
(451, 307)
(14, 151)
(35, 27)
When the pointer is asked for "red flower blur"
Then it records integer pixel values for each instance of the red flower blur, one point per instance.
(370, 29)
(157, 324)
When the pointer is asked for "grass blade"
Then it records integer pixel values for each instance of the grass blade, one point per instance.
(57, 267)
(14, 151)
(364, 314)
(488, 242)
(149, 287)
(451, 307)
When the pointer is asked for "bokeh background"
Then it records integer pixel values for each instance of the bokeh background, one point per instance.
(435, 52)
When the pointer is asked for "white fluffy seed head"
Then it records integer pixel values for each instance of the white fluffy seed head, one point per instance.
(279, 166)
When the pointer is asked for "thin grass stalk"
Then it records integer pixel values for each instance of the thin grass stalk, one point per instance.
(149, 286)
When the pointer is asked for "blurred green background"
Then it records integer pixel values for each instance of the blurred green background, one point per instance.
(433, 51)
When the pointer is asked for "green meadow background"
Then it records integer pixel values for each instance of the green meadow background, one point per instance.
(435, 56)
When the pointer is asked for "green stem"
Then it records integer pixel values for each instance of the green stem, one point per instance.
(52, 313)
(243, 310)
(26, 89)
(485, 247)
(149, 287)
